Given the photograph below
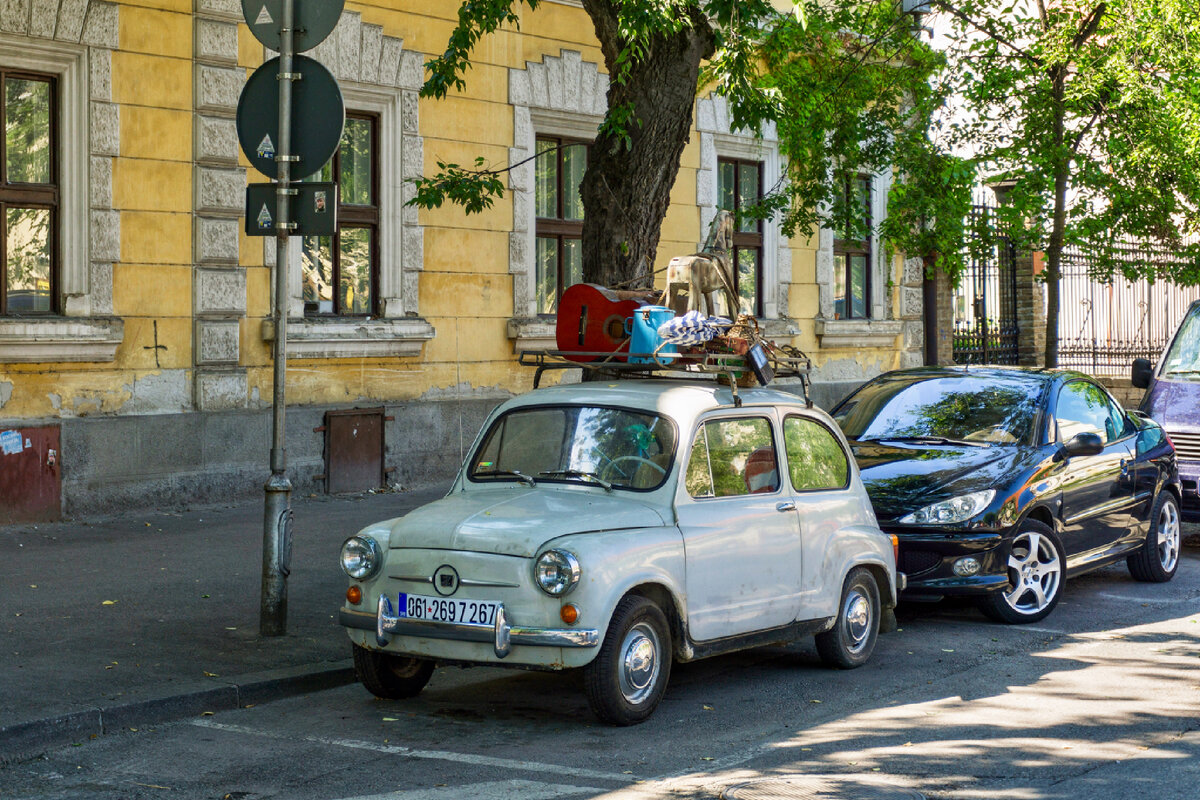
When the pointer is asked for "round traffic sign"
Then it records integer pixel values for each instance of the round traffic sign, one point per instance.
(318, 115)
(313, 20)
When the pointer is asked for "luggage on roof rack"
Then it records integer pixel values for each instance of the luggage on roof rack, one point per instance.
(761, 363)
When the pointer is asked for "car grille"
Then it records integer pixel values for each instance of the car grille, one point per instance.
(1187, 445)
(914, 562)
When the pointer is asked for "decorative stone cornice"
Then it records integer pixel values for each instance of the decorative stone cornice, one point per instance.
(43, 339)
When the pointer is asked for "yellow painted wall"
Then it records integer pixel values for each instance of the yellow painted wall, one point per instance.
(465, 288)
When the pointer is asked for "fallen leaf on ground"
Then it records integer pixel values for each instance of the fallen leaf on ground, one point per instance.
(208, 674)
(707, 708)
(109, 603)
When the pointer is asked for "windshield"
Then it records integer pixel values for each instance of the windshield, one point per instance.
(609, 447)
(1184, 356)
(977, 410)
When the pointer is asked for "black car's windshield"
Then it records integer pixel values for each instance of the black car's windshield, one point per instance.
(941, 409)
(607, 447)
(1183, 359)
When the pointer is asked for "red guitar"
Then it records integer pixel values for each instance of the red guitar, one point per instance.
(591, 319)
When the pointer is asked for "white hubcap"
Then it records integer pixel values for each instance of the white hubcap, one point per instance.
(1168, 536)
(1035, 571)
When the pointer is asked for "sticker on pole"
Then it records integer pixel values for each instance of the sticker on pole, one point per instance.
(313, 20)
(264, 218)
(266, 149)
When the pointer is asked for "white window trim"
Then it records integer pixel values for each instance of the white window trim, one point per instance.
(400, 331)
(82, 331)
(878, 331)
(560, 96)
(718, 141)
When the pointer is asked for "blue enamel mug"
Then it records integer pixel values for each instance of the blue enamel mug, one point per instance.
(643, 330)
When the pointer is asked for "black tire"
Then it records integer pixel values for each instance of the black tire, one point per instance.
(851, 640)
(388, 676)
(1037, 568)
(1158, 557)
(628, 677)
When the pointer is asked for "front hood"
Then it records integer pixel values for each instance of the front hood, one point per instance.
(901, 479)
(517, 520)
(1174, 404)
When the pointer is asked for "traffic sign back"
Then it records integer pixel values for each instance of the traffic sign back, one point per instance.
(318, 114)
(313, 21)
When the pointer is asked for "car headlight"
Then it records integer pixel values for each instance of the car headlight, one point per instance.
(947, 512)
(361, 557)
(556, 572)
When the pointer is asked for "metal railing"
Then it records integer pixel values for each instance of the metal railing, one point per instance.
(1103, 326)
(985, 301)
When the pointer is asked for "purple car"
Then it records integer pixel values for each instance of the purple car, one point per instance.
(1173, 400)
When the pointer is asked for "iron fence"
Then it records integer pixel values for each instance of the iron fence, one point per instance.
(1104, 326)
(985, 301)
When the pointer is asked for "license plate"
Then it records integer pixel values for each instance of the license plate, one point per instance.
(445, 609)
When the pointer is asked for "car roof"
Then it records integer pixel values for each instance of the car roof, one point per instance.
(1000, 371)
(680, 399)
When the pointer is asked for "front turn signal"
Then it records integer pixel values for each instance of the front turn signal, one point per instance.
(569, 613)
(354, 595)
(895, 547)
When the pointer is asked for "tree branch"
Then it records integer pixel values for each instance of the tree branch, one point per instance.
(988, 30)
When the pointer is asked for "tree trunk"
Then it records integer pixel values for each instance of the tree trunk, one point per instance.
(626, 190)
(1054, 247)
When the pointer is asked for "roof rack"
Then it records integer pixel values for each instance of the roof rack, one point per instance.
(783, 362)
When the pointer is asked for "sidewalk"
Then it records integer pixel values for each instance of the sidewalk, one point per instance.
(149, 617)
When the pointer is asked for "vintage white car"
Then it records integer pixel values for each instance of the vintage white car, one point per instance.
(616, 527)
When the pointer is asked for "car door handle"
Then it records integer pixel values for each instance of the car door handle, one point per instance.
(786, 505)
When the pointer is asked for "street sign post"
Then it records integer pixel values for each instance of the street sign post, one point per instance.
(289, 123)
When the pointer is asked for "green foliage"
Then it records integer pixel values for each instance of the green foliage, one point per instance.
(476, 19)
(1091, 111)
(473, 189)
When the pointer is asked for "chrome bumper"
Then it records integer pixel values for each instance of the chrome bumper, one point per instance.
(501, 635)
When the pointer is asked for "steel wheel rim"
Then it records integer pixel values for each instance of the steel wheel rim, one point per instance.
(1168, 536)
(1035, 571)
(856, 619)
(640, 664)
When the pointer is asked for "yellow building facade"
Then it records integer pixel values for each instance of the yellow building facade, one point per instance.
(135, 329)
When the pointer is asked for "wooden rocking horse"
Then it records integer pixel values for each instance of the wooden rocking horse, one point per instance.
(693, 280)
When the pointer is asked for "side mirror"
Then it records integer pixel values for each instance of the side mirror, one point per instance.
(1142, 373)
(1083, 444)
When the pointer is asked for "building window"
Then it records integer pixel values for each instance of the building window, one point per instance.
(341, 272)
(739, 184)
(29, 194)
(852, 255)
(559, 169)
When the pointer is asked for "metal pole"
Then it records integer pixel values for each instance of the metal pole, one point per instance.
(277, 513)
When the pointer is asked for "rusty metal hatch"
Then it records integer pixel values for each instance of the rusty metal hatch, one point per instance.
(30, 475)
(354, 450)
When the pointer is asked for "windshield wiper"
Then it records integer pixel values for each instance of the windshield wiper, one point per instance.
(521, 476)
(927, 440)
(574, 473)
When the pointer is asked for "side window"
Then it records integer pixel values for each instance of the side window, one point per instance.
(815, 458)
(732, 457)
(1083, 408)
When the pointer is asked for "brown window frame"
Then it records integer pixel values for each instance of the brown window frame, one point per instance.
(557, 228)
(29, 195)
(745, 240)
(355, 217)
(845, 246)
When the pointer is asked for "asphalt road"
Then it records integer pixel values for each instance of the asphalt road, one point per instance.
(1100, 700)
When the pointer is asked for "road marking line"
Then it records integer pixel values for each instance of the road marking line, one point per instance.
(438, 755)
(491, 790)
(1150, 600)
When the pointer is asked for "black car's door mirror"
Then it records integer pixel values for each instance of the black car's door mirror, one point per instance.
(1083, 444)
(1142, 373)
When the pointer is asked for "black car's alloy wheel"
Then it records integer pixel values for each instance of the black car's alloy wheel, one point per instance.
(1036, 570)
(851, 640)
(626, 680)
(1158, 558)
(389, 676)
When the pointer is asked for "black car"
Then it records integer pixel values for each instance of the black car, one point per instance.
(1000, 482)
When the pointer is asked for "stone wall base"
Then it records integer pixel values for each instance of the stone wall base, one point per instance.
(114, 465)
